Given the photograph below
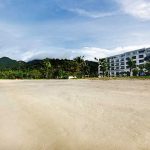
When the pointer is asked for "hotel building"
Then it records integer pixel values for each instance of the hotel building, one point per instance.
(119, 63)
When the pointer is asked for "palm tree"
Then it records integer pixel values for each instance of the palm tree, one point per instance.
(131, 65)
(79, 59)
(81, 65)
(103, 66)
(47, 67)
(147, 67)
(141, 69)
(147, 58)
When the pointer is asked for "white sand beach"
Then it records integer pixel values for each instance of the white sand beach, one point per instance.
(74, 115)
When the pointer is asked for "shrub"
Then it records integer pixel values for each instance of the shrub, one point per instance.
(135, 72)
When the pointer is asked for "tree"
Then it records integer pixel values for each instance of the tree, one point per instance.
(35, 74)
(141, 69)
(135, 72)
(103, 66)
(131, 65)
(147, 67)
(86, 69)
(81, 66)
(47, 67)
(147, 58)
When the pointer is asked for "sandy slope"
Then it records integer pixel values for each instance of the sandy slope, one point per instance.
(74, 115)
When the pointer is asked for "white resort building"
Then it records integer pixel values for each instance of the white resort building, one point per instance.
(119, 63)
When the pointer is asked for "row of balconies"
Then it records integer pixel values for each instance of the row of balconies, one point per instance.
(129, 54)
(127, 58)
(122, 65)
(119, 68)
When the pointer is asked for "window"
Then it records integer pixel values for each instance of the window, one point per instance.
(123, 55)
(134, 53)
(141, 51)
(148, 50)
(134, 57)
(122, 63)
(122, 67)
(117, 67)
(127, 58)
(117, 60)
(112, 61)
(112, 65)
(117, 64)
(141, 56)
(141, 61)
(112, 68)
(127, 54)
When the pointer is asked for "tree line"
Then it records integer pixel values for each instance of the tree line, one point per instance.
(47, 68)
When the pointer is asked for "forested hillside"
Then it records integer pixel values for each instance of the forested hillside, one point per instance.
(47, 68)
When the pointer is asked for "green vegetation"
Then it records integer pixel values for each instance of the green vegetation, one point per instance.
(47, 68)
(63, 68)
(104, 66)
(132, 65)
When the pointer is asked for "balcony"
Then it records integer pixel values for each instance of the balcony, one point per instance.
(141, 56)
(112, 68)
(141, 61)
(128, 54)
(141, 51)
(117, 64)
(134, 57)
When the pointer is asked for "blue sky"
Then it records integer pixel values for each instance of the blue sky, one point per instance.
(32, 29)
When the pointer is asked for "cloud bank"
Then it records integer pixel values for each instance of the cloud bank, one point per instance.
(137, 8)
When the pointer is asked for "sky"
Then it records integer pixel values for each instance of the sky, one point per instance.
(36, 29)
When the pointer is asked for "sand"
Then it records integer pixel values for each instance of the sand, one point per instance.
(74, 115)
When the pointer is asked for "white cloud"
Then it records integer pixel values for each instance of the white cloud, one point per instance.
(137, 8)
(91, 52)
(48, 52)
(16, 43)
(83, 12)
(37, 42)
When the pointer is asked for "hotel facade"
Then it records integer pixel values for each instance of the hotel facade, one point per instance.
(118, 64)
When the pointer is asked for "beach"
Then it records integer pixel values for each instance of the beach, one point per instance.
(74, 115)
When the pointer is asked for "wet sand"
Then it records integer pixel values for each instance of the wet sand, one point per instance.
(74, 115)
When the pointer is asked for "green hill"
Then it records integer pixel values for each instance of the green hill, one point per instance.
(7, 63)
(60, 68)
